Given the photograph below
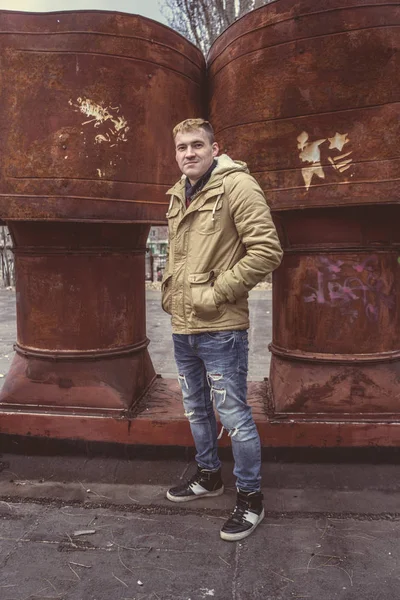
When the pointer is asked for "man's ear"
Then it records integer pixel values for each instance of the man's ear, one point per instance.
(215, 149)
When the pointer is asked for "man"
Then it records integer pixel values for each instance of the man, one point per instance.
(222, 242)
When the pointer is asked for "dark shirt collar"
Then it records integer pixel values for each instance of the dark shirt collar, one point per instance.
(191, 190)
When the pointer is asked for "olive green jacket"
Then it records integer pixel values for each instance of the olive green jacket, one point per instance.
(218, 249)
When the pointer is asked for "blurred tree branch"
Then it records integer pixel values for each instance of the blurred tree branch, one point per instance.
(202, 21)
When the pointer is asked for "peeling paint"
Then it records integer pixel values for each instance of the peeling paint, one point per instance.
(117, 125)
(206, 592)
(310, 152)
(101, 138)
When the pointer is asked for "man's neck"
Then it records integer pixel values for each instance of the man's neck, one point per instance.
(194, 188)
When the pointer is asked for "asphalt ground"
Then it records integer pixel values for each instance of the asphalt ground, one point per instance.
(98, 527)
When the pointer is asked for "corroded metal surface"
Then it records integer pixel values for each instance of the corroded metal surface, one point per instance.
(295, 86)
(307, 94)
(88, 102)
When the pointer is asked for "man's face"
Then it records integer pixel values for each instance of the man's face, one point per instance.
(194, 153)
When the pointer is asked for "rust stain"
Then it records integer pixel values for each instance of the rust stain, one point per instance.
(312, 134)
(85, 162)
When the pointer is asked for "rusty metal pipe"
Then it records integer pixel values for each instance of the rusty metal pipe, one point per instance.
(88, 103)
(308, 94)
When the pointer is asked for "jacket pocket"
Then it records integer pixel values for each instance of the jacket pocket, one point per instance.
(208, 217)
(166, 294)
(202, 295)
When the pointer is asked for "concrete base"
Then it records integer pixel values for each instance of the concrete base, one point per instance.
(160, 422)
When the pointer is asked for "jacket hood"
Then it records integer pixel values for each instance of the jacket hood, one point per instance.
(225, 166)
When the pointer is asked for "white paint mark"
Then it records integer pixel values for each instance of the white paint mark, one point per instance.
(113, 126)
(338, 141)
(206, 592)
(338, 162)
(117, 125)
(101, 138)
(310, 152)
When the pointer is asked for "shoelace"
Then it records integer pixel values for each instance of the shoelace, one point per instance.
(238, 512)
(196, 478)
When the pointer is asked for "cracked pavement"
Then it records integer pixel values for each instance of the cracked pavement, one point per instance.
(92, 528)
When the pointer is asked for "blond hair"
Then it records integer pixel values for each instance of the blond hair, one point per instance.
(193, 124)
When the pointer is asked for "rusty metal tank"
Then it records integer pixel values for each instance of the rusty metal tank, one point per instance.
(308, 94)
(88, 102)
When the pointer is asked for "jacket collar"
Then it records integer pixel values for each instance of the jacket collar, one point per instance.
(192, 190)
(225, 166)
(211, 188)
(209, 191)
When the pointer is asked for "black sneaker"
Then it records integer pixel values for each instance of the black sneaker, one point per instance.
(203, 483)
(248, 513)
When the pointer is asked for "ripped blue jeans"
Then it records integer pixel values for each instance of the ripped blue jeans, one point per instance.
(212, 371)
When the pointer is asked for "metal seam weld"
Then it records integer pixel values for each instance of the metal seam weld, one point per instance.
(348, 359)
(82, 354)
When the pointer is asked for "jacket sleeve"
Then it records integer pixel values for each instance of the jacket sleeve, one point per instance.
(256, 230)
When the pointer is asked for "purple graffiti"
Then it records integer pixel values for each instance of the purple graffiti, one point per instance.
(368, 264)
(336, 290)
(333, 267)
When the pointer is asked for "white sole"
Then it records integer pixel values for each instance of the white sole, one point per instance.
(236, 537)
(172, 498)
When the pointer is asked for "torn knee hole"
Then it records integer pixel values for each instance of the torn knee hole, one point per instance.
(231, 432)
(217, 394)
(182, 381)
(214, 377)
